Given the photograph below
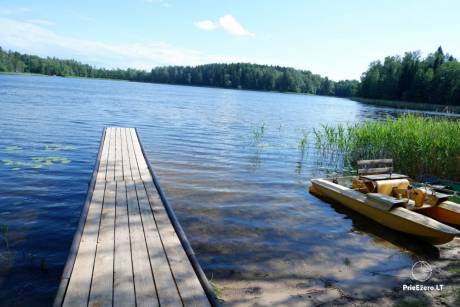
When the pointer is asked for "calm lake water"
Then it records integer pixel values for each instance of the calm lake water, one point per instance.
(242, 200)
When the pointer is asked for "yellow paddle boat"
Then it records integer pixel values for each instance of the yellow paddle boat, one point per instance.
(391, 200)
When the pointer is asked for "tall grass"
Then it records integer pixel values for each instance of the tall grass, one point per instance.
(419, 146)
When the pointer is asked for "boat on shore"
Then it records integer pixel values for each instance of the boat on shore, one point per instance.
(391, 200)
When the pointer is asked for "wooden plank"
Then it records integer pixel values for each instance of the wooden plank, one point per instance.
(141, 163)
(143, 278)
(102, 169)
(80, 279)
(384, 176)
(111, 157)
(374, 162)
(124, 151)
(132, 156)
(376, 170)
(187, 282)
(101, 293)
(166, 287)
(123, 279)
(118, 156)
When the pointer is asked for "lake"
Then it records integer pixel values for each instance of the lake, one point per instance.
(230, 164)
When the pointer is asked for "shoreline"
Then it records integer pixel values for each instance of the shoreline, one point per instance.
(407, 105)
(387, 287)
(404, 105)
(172, 84)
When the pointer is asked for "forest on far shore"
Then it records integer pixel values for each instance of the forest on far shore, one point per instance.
(434, 79)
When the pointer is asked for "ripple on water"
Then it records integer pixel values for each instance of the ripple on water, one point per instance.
(242, 201)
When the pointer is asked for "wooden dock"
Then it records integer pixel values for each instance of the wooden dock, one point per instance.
(129, 249)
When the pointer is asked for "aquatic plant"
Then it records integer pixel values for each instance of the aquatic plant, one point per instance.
(36, 163)
(58, 147)
(13, 148)
(303, 142)
(215, 288)
(48, 161)
(7, 162)
(419, 146)
(258, 133)
(302, 145)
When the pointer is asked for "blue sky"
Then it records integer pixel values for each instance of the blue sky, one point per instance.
(337, 39)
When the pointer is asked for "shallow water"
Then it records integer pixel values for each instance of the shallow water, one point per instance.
(241, 195)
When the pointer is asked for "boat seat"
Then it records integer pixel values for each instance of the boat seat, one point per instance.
(372, 167)
(386, 187)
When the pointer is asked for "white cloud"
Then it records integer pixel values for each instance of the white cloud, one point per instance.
(34, 39)
(41, 22)
(228, 23)
(206, 25)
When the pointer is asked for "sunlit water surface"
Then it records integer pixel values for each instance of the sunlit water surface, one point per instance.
(241, 195)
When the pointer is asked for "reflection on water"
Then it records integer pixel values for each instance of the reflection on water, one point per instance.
(241, 197)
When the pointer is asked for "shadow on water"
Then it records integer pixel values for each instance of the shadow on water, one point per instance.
(384, 234)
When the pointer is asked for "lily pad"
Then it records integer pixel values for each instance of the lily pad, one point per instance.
(22, 163)
(36, 162)
(8, 162)
(13, 148)
(65, 161)
(58, 147)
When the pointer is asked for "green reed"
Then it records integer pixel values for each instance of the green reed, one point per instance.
(419, 146)
(302, 143)
(258, 133)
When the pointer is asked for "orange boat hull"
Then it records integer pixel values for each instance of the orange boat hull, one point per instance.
(446, 212)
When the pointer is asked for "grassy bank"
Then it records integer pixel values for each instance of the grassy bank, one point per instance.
(409, 105)
(419, 146)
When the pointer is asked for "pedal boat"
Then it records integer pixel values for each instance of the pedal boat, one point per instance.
(437, 204)
(398, 213)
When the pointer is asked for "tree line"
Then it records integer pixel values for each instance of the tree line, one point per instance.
(236, 76)
(434, 79)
